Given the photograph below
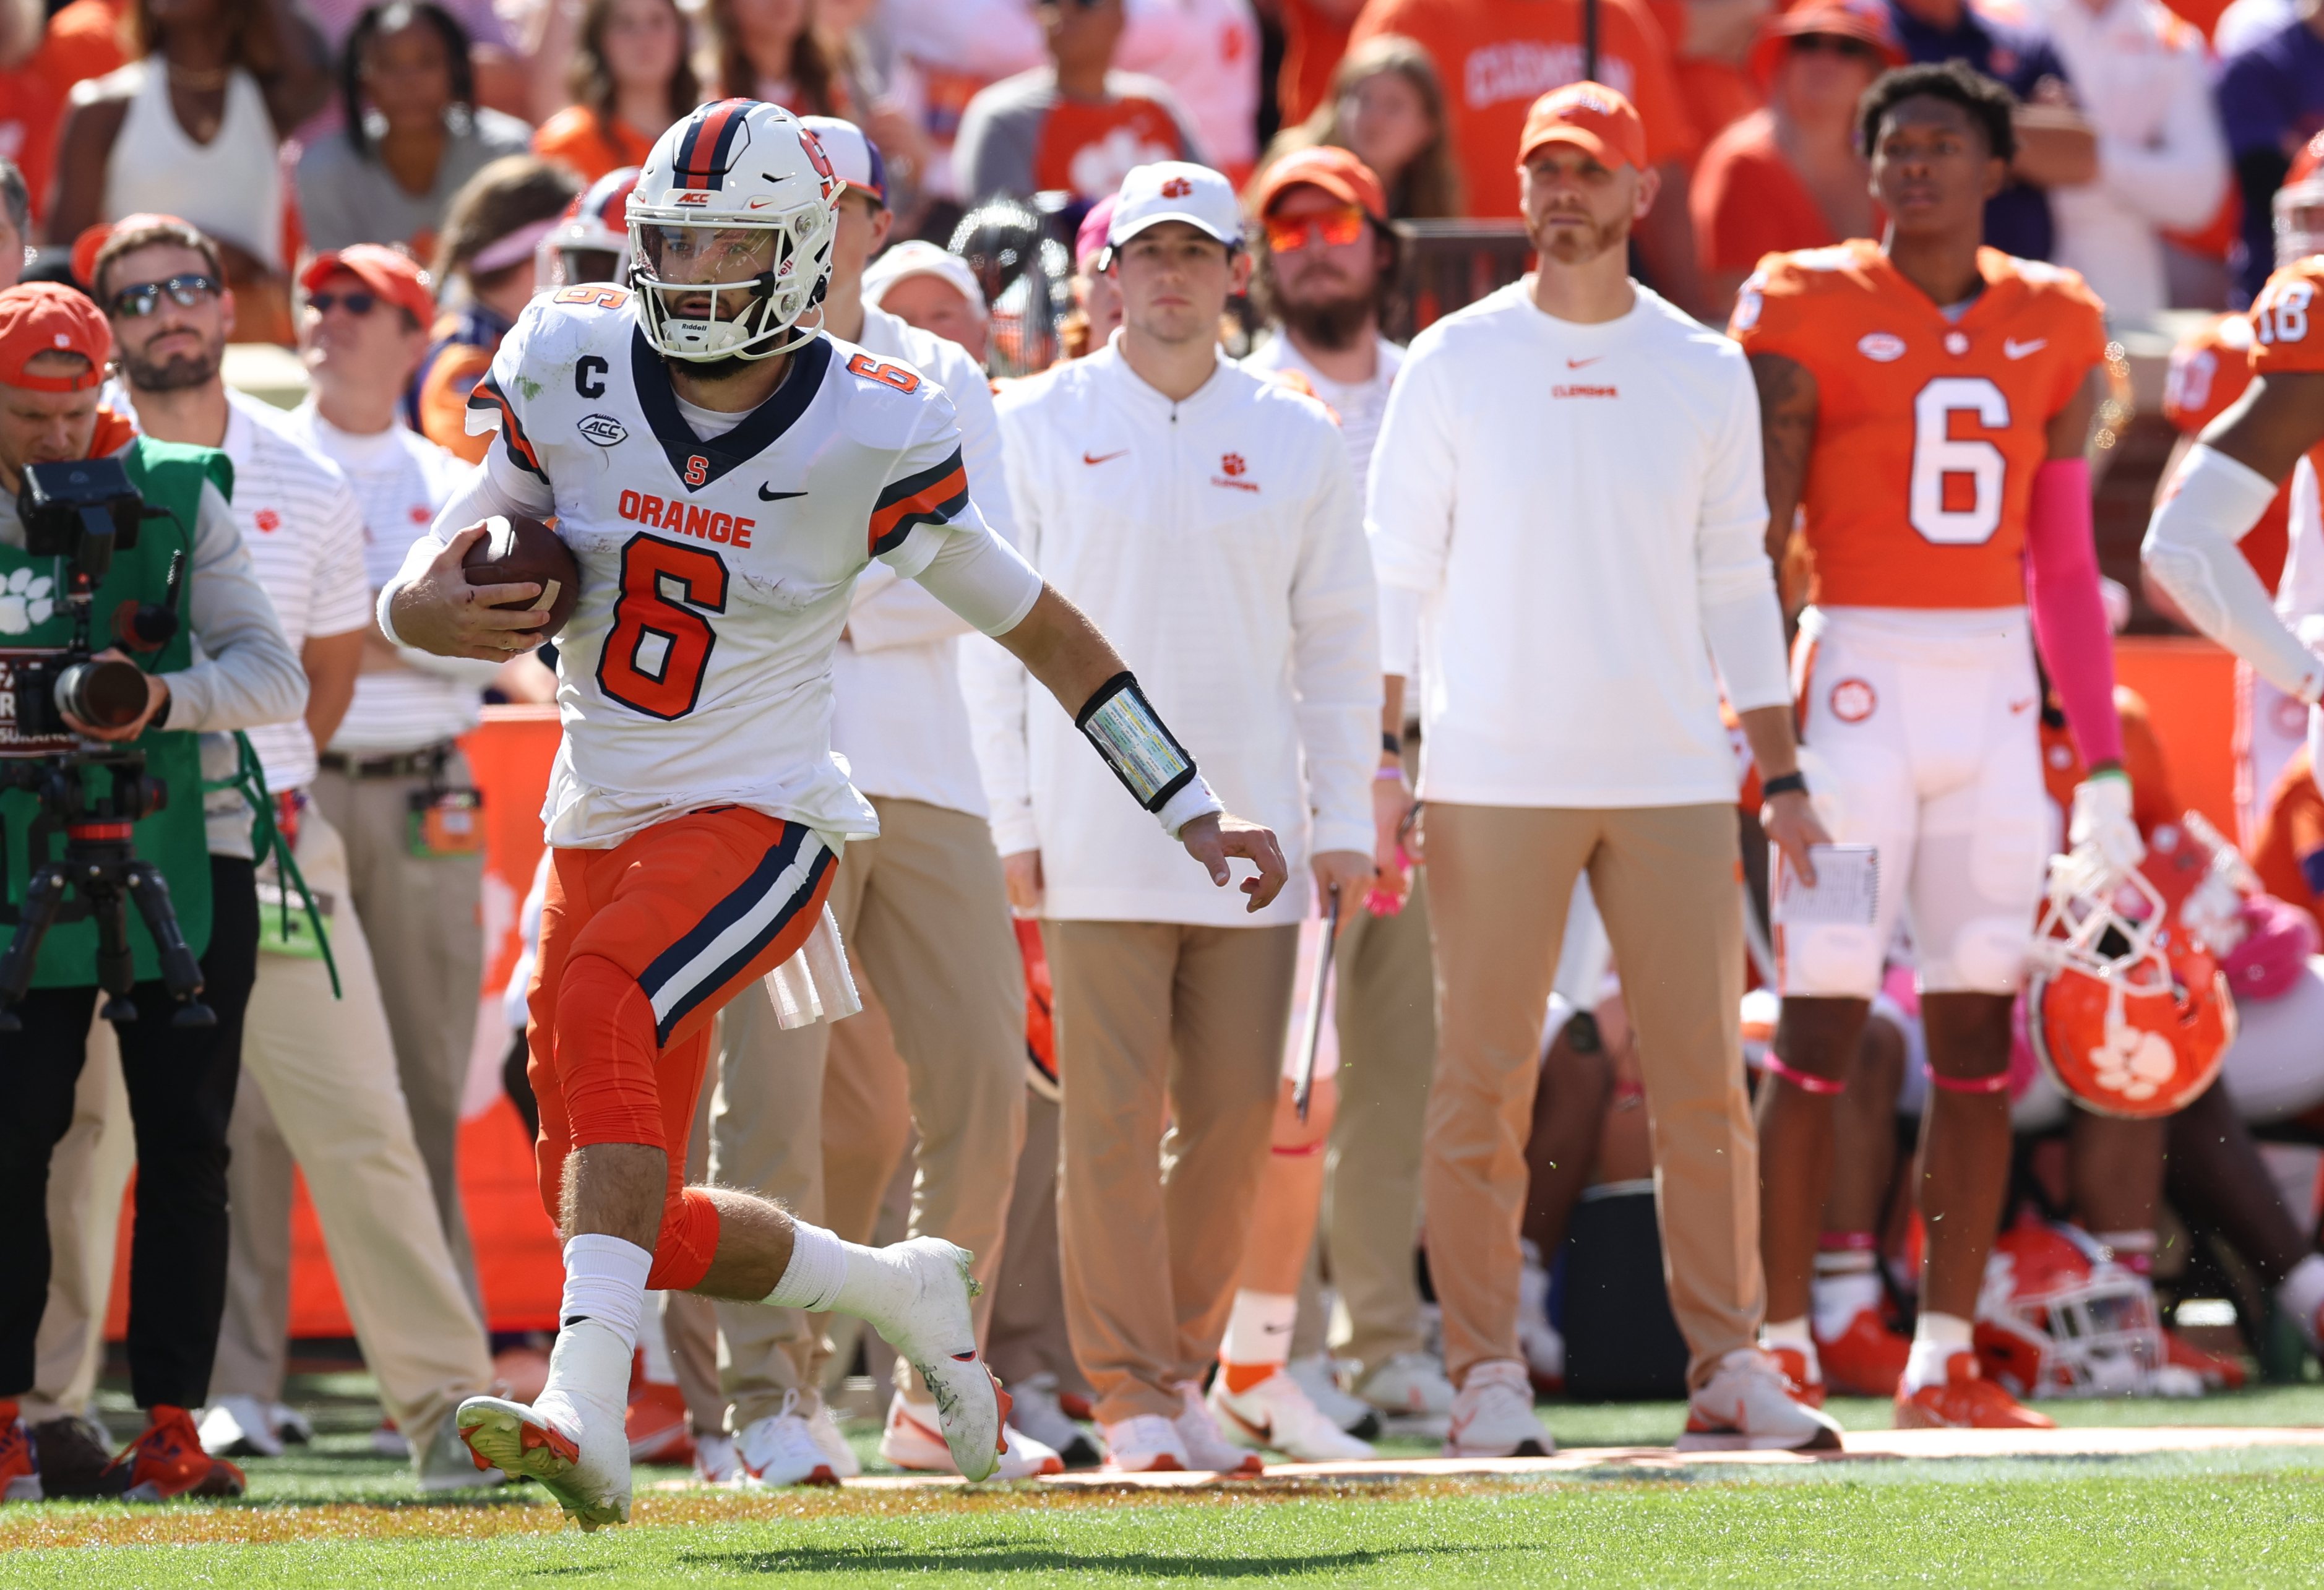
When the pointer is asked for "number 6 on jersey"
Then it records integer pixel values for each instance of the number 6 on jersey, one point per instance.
(660, 646)
(1956, 482)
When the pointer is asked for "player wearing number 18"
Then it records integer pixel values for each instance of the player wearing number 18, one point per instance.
(1926, 401)
(722, 470)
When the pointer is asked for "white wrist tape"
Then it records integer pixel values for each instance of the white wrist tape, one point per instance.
(1143, 753)
(2191, 551)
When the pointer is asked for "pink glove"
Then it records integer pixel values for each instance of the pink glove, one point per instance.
(2279, 940)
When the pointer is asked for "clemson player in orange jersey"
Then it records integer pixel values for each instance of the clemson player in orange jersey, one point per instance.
(1925, 401)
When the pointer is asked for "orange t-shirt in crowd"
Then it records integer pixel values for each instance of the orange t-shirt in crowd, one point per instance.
(1747, 202)
(31, 113)
(1717, 93)
(2153, 801)
(1929, 430)
(1073, 125)
(1313, 40)
(83, 40)
(1497, 57)
(2289, 853)
(2204, 13)
(588, 144)
(2210, 370)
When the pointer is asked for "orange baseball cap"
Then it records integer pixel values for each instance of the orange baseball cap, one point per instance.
(39, 318)
(1865, 21)
(395, 277)
(1598, 118)
(1333, 169)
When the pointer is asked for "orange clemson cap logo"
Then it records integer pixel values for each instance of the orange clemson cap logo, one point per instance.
(1232, 464)
(1176, 188)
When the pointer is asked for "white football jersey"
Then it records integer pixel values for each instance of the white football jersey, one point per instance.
(715, 573)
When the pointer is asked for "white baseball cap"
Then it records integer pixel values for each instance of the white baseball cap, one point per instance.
(914, 257)
(855, 158)
(1176, 190)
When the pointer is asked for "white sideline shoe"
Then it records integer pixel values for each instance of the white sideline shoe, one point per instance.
(236, 1425)
(1035, 1410)
(1206, 1446)
(1144, 1443)
(930, 1326)
(1493, 1416)
(911, 1440)
(1410, 1384)
(1315, 1376)
(715, 1463)
(1277, 1415)
(290, 1426)
(444, 1464)
(779, 1450)
(572, 1438)
(1746, 1406)
(823, 1424)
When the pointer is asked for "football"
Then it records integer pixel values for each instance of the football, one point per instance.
(517, 548)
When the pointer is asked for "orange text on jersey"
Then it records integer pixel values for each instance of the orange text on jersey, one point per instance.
(686, 519)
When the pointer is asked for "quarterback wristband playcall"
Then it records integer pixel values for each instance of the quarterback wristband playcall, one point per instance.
(1143, 753)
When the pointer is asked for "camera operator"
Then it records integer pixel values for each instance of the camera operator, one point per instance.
(321, 1058)
(227, 666)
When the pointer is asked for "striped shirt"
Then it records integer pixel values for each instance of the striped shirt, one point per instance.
(400, 480)
(305, 532)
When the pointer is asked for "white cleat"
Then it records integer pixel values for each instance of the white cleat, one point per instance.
(1747, 1406)
(1144, 1443)
(715, 1463)
(823, 1424)
(1493, 1416)
(1207, 1448)
(1036, 1412)
(1409, 1385)
(780, 1450)
(930, 1326)
(571, 1439)
(1315, 1376)
(236, 1425)
(1277, 1415)
(912, 1440)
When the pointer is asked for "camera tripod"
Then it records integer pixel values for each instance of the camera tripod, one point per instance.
(99, 865)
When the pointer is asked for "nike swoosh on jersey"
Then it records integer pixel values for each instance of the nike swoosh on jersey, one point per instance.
(1105, 457)
(1583, 364)
(2016, 707)
(767, 496)
(2011, 348)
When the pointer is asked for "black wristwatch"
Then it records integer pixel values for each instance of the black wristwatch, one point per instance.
(1784, 783)
(1392, 744)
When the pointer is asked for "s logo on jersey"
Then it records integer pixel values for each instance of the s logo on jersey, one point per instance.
(602, 430)
(1882, 347)
(1853, 701)
(697, 470)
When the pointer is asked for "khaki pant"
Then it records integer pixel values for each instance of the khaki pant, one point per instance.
(1665, 878)
(89, 1173)
(924, 911)
(319, 1086)
(1028, 1334)
(1161, 1023)
(424, 916)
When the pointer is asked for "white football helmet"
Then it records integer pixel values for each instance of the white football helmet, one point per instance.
(2299, 219)
(731, 228)
(591, 243)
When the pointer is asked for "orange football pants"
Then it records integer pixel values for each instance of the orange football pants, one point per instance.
(641, 946)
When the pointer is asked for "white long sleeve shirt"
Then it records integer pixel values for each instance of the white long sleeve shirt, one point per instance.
(2141, 77)
(1568, 523)
(1219, 545)
(898, 715)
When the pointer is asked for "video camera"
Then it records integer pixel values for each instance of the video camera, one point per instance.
(81, 513)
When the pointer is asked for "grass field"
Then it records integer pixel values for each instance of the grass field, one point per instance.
(337, 1515)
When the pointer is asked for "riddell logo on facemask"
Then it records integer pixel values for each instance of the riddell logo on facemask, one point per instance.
(683, 518)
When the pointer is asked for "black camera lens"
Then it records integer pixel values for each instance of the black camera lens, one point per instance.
(105, 693)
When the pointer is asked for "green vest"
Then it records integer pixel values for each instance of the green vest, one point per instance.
(174, 839)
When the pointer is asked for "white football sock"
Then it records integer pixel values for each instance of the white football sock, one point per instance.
(606, 1281)
(1839, 1299)
(1794, 1334)
(2301, 1295)
(818, 1266)
(1935, 1340)
(1258, 1328)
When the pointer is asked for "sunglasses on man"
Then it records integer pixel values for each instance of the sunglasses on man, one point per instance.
(1338, 229)
(357, 303)
(133, 303)
(1838, 44)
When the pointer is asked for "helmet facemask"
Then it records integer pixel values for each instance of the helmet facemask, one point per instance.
(731, 287)
(2299, 221)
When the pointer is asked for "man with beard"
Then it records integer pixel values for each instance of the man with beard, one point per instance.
(316, 1043)
(1568, 489)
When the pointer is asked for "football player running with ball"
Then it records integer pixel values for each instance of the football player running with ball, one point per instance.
(1925, 401)
(721, 471)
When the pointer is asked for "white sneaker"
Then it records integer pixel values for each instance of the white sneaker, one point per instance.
(1315, 1376)
(1493, 1416)
(1144, 1443)
(911, 1440)
(291, 1426)
(572, 1438)
(832, 1441)
(1747, 1407)
(1034, 1409)
(779, 1450)
(929, 1325)
(1411, 1384)
(445, 1463)
(388, 1441)
(715, 1463)
(1275, 1414)
(236, 1425)
(1206, 1446)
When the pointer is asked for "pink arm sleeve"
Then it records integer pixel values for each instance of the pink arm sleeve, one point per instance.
(2070, 620)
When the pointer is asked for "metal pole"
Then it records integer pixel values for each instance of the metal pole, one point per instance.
(1589, 40)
